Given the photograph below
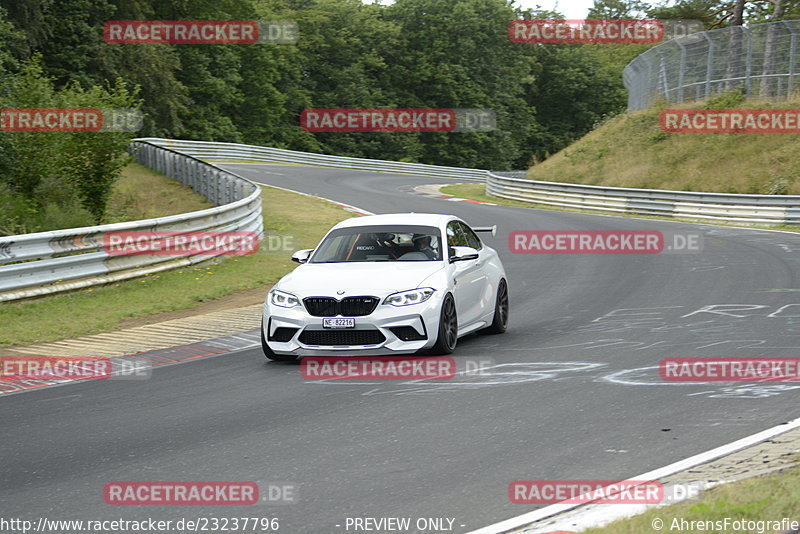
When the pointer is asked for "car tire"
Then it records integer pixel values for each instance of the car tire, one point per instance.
(447, 337)
(271, 355)
(500, 321)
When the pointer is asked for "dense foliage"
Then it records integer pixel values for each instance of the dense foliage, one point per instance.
(351, 54)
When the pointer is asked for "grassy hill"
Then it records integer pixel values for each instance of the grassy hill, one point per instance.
(630, 150)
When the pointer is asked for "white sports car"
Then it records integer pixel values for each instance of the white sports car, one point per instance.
(387, 284)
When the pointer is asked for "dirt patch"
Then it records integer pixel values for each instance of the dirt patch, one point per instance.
(239, 299)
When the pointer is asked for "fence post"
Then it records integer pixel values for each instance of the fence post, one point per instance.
(681, 69)
(748, 70)
(709, 63)
(792, 54)
(644, 88)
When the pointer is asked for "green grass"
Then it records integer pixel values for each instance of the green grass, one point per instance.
(630, 150)
(144, 194)
(103, 308)
(768, 497)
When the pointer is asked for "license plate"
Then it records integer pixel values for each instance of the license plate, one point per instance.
(347, 322)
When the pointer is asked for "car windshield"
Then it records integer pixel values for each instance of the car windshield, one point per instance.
(380, 243)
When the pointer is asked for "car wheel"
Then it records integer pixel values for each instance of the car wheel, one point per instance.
(268, 351)
(500, 322)
(448, 328)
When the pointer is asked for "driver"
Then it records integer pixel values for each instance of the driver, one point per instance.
(423, 243)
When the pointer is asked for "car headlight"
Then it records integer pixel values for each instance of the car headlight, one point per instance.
(413, 296)
(283, 299)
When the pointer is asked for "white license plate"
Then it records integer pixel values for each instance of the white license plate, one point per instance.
(347, 322)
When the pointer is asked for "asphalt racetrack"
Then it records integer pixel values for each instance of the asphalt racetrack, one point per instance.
(571, 391)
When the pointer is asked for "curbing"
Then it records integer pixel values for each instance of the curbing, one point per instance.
(558, 515)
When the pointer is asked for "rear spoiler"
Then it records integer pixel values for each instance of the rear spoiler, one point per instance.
(492, 229)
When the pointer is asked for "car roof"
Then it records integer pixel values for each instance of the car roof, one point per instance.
(393, 219)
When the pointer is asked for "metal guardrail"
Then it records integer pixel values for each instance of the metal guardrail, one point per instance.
(718, 207)
(751, 209)
(763, 59)
(234, 151)
(49, 262)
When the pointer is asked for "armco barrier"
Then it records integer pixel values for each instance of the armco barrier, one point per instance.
(71, 259)
(750, 209)
(49, 262)
(234, 151)
(719, 207)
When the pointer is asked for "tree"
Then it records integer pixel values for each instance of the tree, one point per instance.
(767, 87)
(46, 170)
(616, 9)
(92, 162)
(456, 54)
(735, 43)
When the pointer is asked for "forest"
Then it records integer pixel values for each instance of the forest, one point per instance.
(349, 54)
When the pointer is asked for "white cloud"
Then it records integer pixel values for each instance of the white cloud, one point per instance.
(572, 9)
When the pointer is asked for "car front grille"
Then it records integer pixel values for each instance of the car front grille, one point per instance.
(407, 333)
(347, 307)
(283, 334)
(341, 337)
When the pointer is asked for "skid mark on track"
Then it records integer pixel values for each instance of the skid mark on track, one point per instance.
(650, 333)
(516, 374)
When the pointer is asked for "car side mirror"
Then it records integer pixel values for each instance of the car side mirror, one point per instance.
(463, 254)
(301, 256)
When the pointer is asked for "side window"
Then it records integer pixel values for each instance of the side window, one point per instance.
(455, 237)
(472, 238)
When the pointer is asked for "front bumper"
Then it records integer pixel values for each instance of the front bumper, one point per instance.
(379, 333)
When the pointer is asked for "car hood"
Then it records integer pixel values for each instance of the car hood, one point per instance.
(362, 278)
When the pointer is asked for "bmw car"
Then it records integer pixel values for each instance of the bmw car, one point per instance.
(387, 284)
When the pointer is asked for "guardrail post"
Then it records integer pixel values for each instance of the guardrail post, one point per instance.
(212, 176)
